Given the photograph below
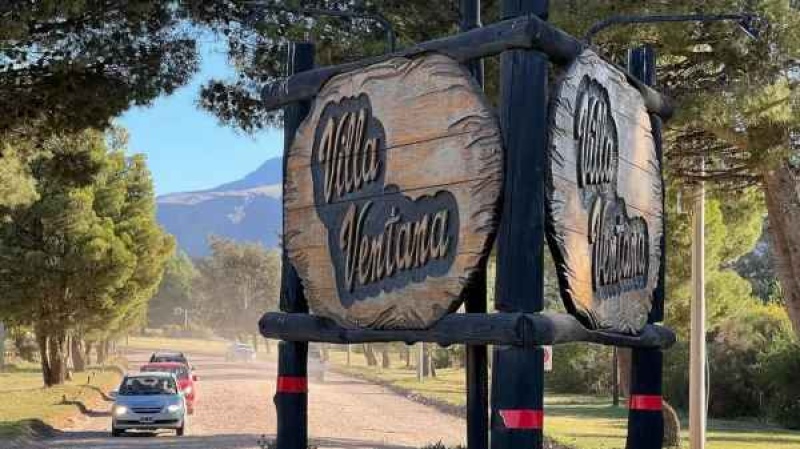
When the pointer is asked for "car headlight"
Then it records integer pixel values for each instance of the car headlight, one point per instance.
(120, 410)
(187, 390)
(174, 408)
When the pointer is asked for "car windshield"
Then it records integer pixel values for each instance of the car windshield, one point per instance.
(179, 371)
(168, 359)
(145, 385)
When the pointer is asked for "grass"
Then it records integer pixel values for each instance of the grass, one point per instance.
(25, 401)
(188, 345)
(193, 346)
(584, 422)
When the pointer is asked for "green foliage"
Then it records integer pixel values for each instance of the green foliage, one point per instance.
(74, 64)
(735, 352)
(85, 257)
(779, 377)
(174, 292)
(238, 282)
(580, 368)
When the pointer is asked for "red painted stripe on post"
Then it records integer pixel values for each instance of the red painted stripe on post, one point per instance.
(646, 402)
(522, 419)
(292, 384)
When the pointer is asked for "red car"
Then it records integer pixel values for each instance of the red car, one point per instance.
(186, 380)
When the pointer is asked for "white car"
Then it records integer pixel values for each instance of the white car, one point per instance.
(148, 401)
(240, 352)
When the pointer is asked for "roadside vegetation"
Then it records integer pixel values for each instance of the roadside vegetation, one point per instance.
(585, 421)
(27, 407)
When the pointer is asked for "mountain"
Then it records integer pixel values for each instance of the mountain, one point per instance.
(245, 210)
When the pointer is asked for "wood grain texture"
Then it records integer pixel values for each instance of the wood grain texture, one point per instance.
(526, 330)
(604, 197)
(409, 140)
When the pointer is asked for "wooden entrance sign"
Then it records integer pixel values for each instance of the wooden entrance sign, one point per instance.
(392, 186)
(604, 197)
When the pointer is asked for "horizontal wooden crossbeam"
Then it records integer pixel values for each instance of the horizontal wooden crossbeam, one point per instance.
(527, 32)
(517, 329)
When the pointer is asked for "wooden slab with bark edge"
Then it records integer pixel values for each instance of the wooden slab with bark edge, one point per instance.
(604, 197)
(412, 142)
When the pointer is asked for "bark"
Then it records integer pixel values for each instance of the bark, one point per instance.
(102, 352)
(53, 351)
(42, 341)
(386, 362)
(408, 356)
(783, 207)
(369, 354)
(77, 353)
(672, 426)
(624, 371)
(87, 352)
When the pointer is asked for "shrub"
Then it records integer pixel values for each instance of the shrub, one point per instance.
(676, 375)
(579, 368)
(779, 376)
(735, 351)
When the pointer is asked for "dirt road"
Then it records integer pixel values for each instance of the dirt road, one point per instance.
(235, 408)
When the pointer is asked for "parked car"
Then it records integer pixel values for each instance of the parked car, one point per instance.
(148, 401)
(240, 352)
(186, 379)
(176, 357)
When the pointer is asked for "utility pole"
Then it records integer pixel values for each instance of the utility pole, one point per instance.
(697, 354)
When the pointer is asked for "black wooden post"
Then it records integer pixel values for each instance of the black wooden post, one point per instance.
(645, 418)
(518, 373)
(475, 296)
(291, 397)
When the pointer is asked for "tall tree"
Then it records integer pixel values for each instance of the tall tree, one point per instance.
(174, 292)
(86, 247)
(238, 281)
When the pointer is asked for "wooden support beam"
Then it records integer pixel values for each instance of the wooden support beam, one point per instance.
(291, 397)
(645, 414)
(515, 329)
(523, 32)
(475, 301)
(518, 400)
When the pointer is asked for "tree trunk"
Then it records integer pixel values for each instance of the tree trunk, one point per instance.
(386, 362)
(255, 342)
(267, 347)
(2, 346)
(102, 352)
(78, 360)
(42, 342)
(87, 352)
(408, 356)
(783, 207)
(672, 426)
(369, 354)
(57, 357)
(624, 370)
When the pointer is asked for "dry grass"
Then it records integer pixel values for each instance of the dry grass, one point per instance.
(584, 422)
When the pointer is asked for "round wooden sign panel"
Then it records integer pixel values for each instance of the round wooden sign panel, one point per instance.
(391, 193)
(604, 200)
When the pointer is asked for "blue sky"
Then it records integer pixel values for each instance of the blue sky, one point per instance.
(186, 148)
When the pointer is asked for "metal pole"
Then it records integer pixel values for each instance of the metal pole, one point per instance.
(697, 354)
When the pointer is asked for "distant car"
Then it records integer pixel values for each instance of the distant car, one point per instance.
(148, 401)
(167, 357)
(240, 352)
(317, 363)
(186, 380)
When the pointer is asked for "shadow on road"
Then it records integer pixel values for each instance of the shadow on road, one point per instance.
(102, 440)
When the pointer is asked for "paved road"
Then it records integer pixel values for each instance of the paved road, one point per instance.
(235, 408)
